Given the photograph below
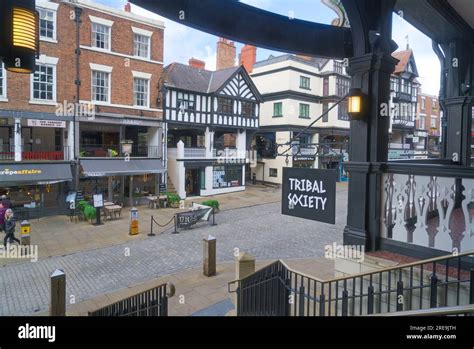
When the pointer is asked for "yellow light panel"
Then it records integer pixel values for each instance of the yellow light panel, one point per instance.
(24, 28)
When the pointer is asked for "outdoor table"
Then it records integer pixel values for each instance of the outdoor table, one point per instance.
(113, 210)
(108, 203)
(162, 199)
(152, 200)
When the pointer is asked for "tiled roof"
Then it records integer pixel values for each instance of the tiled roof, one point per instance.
(198, 80)
(404, 58)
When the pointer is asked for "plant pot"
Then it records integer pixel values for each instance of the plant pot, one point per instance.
(174, 205)
(216, 210)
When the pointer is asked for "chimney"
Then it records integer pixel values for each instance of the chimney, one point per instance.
(248, 57)
(128, 7)
(226, 54)
(196, 63)
(306, 58)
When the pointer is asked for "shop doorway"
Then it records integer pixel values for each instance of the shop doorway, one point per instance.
(192, 183)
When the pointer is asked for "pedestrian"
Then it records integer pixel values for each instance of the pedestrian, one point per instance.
(3, 210)
(6, 203)
(10, 227)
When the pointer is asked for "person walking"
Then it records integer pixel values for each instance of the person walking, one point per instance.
(10, 225)
(6, 203)
(3, 210)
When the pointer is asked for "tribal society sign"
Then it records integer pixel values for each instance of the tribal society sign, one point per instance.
(309, 193)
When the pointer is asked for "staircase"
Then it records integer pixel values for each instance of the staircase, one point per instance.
(423, 286)
(170, 186)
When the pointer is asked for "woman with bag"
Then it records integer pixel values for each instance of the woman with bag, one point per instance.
(10, 225)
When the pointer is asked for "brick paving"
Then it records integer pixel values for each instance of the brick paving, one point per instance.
(259, 230)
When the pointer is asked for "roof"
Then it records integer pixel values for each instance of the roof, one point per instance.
(404, 58)
(312, 61)
(189, 78)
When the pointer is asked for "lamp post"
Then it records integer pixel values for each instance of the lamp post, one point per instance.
(19, 38)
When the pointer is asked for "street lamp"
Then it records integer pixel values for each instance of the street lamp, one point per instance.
(356, 103)
(19, 37)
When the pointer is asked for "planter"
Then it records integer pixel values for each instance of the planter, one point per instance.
(174, 205)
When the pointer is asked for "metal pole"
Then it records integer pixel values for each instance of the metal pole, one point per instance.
(151, 227)
(175, 225)
(213, 216)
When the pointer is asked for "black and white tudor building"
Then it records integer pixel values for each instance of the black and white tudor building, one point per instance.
(211, 117)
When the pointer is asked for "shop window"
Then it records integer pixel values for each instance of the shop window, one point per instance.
(273, 172)
(227, 177)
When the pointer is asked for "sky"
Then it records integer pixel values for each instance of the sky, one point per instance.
(182, 43)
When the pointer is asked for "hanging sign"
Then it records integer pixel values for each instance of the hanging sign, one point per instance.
(46, 123)
(309, 193)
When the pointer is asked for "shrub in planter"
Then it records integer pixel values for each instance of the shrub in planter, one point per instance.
(89, 212)
(212, 203)
(173, 200)
(82, 205)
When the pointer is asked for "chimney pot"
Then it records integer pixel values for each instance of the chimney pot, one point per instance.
(128, 7)
(248, 57)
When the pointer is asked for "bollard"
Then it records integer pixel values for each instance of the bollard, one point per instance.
(58, 293)
(244, 265)
(133, 221)
(209, 256)
(25, 237)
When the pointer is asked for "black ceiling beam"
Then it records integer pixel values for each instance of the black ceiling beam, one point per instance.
(247, 24)
(435, 18)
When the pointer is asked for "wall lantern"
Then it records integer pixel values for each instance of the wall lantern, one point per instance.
(355, 109)
(19, 37)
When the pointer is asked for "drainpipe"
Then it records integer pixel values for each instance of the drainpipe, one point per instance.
(78, 13)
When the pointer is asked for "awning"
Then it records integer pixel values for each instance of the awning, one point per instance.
(24, 173)
(120, 167)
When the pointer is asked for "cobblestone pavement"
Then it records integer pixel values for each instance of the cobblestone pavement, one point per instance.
(259, 230)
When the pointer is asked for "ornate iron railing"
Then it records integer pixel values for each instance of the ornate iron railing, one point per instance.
(277, 290)
(153, 302)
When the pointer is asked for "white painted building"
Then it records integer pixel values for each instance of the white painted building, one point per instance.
(210, 117)
(296, 91)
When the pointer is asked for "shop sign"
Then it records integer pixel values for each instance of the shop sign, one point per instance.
(98, 200)
(304, 158)
(309, 193)
(188, 219)
(46, 123)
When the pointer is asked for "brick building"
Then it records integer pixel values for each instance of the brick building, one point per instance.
(428, 124)
(92, 103)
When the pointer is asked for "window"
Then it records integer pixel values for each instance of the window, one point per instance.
(423, 103)
(248, 109)
(3, 82)
(434, 122)
(224, 140)
(141, 46)
(326, 86)
(100, 86)
(394, 82)
(342, 86)
(421, 122)
(186, 101)
(435, 104)
(325, 109)
(305, 83)
(273, 172)
(227, 176)
(225, 105)
(342, 113)
(140, 92)
(338, 67)
(47, 24)
(44, 83)
(100, 36)
(304, 111)
(277, 109)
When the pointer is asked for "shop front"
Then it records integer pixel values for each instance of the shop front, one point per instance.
(35, 189)
(120, 181)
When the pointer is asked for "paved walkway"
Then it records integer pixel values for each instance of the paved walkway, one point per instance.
(259, 230)
(57, 235)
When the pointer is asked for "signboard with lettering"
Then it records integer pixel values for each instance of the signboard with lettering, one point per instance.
(188, 219)
(162, 188)
(309, 193)
(98, 200)
(46, 123)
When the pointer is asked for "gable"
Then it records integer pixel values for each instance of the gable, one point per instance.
(238, 87)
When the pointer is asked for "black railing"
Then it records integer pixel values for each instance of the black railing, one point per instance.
(103, 151)
(153, 302)
(277, 290)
